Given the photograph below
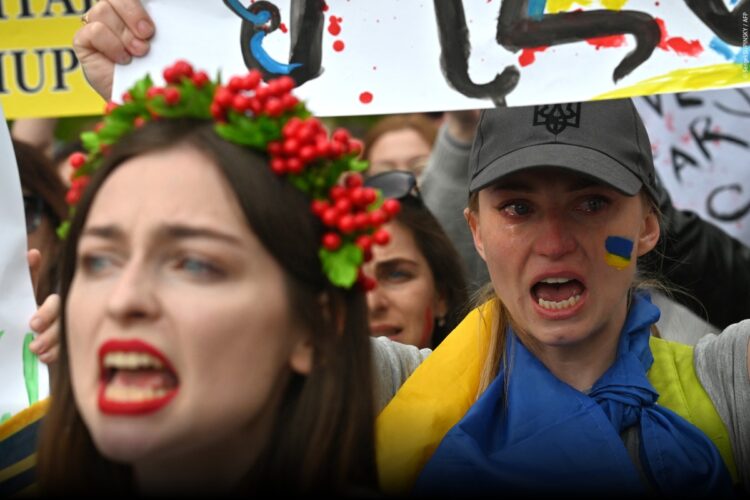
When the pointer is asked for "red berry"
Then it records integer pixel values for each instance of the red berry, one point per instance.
(335, 149)
(367, 257)
(262, 93)
(217, 111)
(200, 79)
(306, 132)
(127, 97)
(235, 84)
(77, 160)
(172, 96)
(343, 205)
(183, 68)
(109, 107)
(139, 122)
(241, 103)
(357, 195)
(251, 80)
(367, 283)
(274, 107)
(331, 241)
(318, 207)
(346, 224)
(291, 146)
(370, 195)
(73, 196)
(322, 148)
(341, 135)
(171, 75)
(153, 92)
(377, 218)
(256, 106)
(355, 146)
(361, 220)
(286, 83)
(307, 154)
(274, 89)
(274, 148)
(223, 96)
(330, 217)
(353, 180)
(364, 242)
(337, 192)
(294, 165)
(278, 165)
(289, 101)
(391, 206)
(381, 237)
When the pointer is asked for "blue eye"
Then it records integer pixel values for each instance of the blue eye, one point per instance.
(199, 267)
(593, 204)
(517, 208)
(95, 264)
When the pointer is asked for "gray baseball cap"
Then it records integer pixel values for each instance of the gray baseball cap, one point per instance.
(605, 140)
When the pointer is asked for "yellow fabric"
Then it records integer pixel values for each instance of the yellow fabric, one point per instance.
(18, 467)
(23, 418)
(442, 389)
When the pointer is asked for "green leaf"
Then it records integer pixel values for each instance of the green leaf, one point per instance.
(358, 165)
(342, 265)
(90, 141)
(138, 92)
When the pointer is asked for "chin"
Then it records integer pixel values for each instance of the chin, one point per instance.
(124, 442)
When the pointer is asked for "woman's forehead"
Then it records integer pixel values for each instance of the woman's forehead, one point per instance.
(533, 179)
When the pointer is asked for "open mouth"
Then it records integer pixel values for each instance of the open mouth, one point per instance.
(389, 331)
(557, 294)
(135, 378)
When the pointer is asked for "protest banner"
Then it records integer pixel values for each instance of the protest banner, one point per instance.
(701, 150)
(363, 57)
(39, 73)
(23, 378)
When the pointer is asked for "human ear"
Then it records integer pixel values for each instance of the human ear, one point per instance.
(301, 357)
(649, 234)
(472, 218)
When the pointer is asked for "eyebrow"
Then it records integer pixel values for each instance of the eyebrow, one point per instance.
(165, 232)
(395, 261)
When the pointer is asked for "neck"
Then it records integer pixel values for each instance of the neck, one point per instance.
(581, 364)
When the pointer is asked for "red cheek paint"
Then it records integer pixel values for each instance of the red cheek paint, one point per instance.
(429, 324)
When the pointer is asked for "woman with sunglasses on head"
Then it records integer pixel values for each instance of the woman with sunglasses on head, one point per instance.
(556, 385)
(421, 292)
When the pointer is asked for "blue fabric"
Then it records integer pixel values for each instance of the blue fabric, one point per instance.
(532, 433)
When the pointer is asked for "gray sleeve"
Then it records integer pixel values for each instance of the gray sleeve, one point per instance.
(445, 190)
(721, 364)
(393, 362)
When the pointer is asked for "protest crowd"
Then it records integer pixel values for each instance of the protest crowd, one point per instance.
(237, 297)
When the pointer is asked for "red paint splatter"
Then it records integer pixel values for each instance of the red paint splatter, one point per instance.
(338, 45)
(607, 41)
(283, 28)
(365, 97)
(677, 44)
(685, 138)
(669, 121)
(528, 56)
(325, 7)
(334, 28)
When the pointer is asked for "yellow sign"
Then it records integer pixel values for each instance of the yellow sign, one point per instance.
(39, 73)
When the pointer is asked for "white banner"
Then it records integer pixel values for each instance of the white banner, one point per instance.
(394, 56)
(23, 378)
(701, 145)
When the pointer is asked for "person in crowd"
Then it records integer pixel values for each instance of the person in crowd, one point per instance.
(216, 257)
(421, 293)
(551, 385)
(45, 208)
(400, 142)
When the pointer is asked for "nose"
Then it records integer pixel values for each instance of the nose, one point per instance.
(377, 301)
(555, 239)
(133, 297)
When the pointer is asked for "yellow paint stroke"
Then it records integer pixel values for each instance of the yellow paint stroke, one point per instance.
(614, 4)
(555, 6)
(681, 80)
(617, 262)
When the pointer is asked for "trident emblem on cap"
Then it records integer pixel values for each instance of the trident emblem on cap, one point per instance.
(557, 117)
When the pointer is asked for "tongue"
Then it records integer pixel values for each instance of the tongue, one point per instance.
(559, 292)
(145, 379)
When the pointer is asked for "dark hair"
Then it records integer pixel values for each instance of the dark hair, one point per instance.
(38, 176)
(444, 261)
(323, 438)
(425, 127)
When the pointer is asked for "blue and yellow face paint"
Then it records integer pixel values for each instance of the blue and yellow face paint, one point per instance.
(619, 250)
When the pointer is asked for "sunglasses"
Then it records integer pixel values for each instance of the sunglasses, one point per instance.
(33, 207)
(396, 184)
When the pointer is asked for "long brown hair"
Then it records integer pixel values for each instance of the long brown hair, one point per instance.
(323, 438)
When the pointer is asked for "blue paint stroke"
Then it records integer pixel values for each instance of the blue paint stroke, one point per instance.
(621, 247)
(245, 14)
(722, 48)
(536, 9)
(268, 62)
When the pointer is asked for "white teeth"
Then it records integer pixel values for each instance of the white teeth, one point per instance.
(556, 281)
(131, 360)
(130, 394)
(548, 304)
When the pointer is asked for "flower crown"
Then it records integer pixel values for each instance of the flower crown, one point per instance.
(269, 118)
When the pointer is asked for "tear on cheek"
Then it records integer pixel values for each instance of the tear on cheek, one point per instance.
(618, 251)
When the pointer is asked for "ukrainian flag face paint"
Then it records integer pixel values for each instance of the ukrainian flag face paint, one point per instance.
(619, 250)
